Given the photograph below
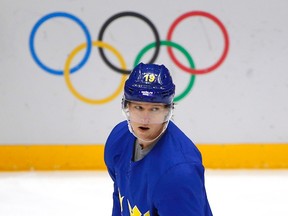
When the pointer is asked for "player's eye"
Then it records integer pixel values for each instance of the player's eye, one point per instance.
(155, 109)
(138, 107)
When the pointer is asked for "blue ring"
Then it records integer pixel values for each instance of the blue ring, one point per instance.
(73, 18)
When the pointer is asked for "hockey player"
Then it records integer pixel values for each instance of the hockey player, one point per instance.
(155, 167)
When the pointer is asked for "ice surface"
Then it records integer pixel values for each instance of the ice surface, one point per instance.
(230, 192)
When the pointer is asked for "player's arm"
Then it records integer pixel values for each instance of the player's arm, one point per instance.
(116, 211)
(109, 159)
(111, 156)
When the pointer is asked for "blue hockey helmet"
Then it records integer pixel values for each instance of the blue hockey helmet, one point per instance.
(150, 83)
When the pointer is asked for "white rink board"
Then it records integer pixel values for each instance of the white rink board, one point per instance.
(243, 100)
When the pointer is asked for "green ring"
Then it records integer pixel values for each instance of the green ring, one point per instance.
(181, 49)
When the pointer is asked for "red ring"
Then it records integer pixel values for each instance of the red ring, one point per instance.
(220, 25)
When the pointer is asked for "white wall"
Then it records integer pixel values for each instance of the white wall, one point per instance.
(243, 100)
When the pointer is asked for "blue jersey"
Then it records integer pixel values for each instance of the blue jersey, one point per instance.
(168, 181)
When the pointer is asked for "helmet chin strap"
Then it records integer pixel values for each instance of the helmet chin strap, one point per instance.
(147, 141)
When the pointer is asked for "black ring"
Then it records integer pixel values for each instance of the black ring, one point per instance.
(137, 15)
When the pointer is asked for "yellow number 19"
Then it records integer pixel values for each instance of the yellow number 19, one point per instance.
(149, 77)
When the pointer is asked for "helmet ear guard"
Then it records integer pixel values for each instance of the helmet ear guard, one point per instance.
(124, 102)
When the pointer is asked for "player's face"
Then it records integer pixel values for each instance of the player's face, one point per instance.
(147, 119)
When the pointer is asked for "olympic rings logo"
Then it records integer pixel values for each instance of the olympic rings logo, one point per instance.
(123, 70)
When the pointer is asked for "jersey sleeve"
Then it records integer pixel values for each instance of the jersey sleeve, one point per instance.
(116, 210)
(181, 192)
(111, 156)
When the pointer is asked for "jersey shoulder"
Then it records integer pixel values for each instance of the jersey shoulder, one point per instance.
(116, 143)
(182, 148)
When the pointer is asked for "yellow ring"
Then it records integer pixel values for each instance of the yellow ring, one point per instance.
(75, 92)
